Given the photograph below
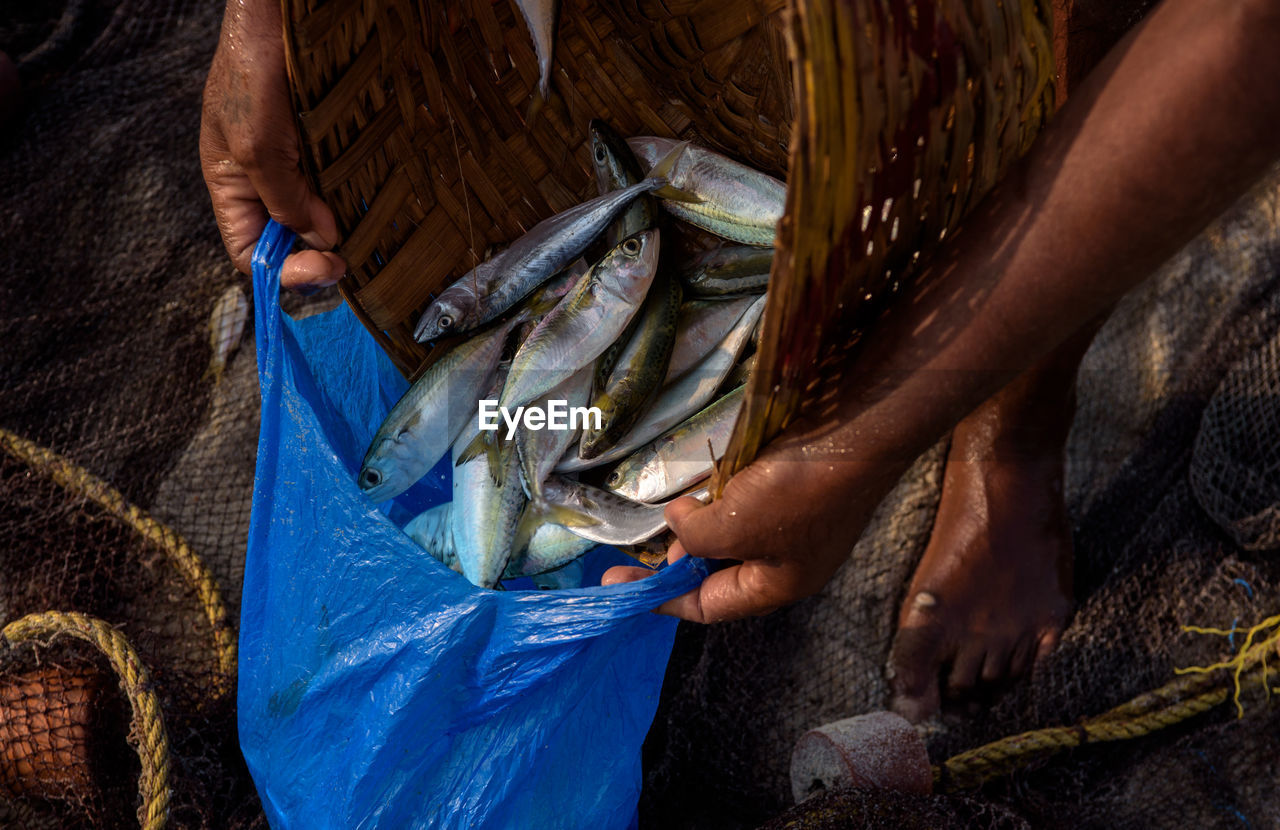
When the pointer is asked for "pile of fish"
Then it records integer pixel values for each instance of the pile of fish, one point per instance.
(656, 339)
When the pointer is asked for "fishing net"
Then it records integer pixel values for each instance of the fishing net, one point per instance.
(127, 468)
(1174, 399)
(126, 463)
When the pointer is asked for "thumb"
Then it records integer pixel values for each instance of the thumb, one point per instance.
(703, 529)
(289, 200)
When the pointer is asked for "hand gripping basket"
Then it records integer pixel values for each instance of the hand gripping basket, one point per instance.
(889, 119)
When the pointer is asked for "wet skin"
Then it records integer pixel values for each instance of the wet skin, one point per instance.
(1172, 127)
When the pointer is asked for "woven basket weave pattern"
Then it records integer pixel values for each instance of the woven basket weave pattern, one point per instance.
(399, 105)
(889, 119)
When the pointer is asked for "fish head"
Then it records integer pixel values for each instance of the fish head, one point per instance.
(383, 475)
(636, 481)
(453, 311)
(631, 265)
(615, 164)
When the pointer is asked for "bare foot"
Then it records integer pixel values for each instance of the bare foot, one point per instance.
(993, 591)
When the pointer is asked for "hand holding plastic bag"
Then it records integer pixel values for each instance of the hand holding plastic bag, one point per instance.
(379, 689)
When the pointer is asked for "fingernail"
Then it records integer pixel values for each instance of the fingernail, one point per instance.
(924, 599)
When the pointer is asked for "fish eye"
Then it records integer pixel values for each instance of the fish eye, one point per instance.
(631, 247)
(370, 478)
(445, 321)
(600, 153)
(615, 478)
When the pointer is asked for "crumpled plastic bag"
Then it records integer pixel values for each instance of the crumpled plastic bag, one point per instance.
(379, 689)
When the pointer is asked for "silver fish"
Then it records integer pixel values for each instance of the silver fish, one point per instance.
(702, 325)
(422, 425)
(729, 269)
(617, 167)
(681, 457)
(567, 576)
(551, 548)
(736, 202)
(485, 514)
(585, 322)
(599, 515)
(639, 368)
(540, 449)
(433, 531)
(498, 283)
(540, 17)
(690, 393)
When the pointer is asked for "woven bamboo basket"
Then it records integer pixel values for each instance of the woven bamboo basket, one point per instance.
(889, 120)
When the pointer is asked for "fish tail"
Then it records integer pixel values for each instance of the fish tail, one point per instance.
(536, 103)
(662, 171)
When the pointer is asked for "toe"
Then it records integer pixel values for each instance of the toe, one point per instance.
(1023, 653)
(965, 669)
(996, 664)
(1047, 642)
(914, 664)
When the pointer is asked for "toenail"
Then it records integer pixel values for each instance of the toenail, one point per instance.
(924, 599)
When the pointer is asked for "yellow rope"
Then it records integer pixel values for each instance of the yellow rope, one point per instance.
(1197, 691)
(148, 724)
(188, 563)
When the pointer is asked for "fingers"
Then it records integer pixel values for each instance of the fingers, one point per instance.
(275, 176)
(241, 217)
(706, 530)
(1023, 653)
(620, 574)
(250, 153)
(753, 588)
(308, 270)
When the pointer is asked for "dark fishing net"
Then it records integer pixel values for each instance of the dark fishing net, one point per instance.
(1177, 409)
(110, 270)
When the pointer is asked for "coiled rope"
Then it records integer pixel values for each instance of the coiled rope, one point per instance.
(147, 725)
(83, 483)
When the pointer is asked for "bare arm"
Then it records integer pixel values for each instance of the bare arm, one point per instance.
(1173, 126)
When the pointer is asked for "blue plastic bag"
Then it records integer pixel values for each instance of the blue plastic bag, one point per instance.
(379, 689)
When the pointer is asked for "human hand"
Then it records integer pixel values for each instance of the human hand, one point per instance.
(791, 518)
(250, 150)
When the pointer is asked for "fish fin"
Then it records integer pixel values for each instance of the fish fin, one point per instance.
(539, 305)
(662, 170)
(667, 163)
(567, 517)
(478, 445)
(491, 447)
(531, 518)
(675, 194)
(494, 451)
